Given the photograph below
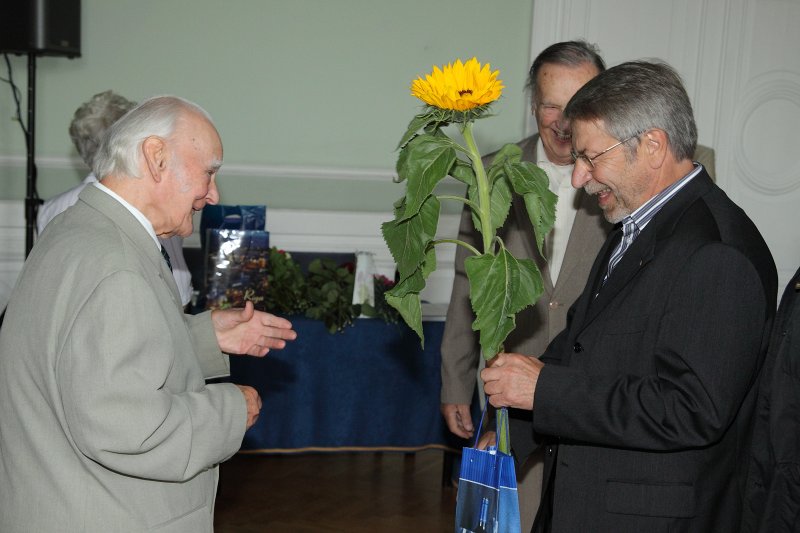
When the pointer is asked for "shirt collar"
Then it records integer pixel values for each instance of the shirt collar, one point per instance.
(135, 212)
(645, 213)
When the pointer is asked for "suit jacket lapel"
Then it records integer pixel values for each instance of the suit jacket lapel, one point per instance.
(529, 154)
(587, 215)
(636, 257)
(643, 249)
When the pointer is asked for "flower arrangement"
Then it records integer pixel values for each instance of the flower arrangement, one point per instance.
(286, 285)
(500, 284)
(330, 294)
(324, 293)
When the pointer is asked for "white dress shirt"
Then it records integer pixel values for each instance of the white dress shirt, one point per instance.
(560, 177)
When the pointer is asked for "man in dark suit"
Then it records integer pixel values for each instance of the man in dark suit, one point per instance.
(644, 402)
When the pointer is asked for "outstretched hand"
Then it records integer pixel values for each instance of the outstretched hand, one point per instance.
(247, 331)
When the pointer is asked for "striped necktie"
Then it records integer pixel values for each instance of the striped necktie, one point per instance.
(166, 257)
(629, 232)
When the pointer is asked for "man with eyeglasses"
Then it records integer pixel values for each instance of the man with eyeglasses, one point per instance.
(556, 74)
(644, 403)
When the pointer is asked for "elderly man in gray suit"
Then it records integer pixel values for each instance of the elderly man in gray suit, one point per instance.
(106, 420)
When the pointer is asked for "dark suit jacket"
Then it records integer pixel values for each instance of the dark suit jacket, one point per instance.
(772, 500)
(647, 396)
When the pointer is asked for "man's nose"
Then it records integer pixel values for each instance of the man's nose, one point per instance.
(580, 173)
(213, 194)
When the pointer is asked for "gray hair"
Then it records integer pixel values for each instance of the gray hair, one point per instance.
(93, 118)
(120, 152)
(567, 53)
(633, 97)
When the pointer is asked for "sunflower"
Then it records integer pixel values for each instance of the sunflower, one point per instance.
(459, 86)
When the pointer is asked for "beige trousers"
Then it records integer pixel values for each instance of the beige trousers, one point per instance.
(529, 489)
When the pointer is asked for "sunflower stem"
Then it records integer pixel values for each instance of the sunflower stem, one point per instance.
(484, 193)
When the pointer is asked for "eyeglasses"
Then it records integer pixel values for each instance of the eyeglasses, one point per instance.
(590, 160)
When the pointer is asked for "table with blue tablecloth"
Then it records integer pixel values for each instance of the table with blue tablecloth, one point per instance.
(370, 387)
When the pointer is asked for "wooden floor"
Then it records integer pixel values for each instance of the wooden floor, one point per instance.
(342, 492)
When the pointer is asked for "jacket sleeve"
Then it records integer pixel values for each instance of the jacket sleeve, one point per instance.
(460, 348)
(700, 352)
(134, 399)
(213, 362)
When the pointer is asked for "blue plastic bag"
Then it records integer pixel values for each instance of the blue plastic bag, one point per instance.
(487, 486)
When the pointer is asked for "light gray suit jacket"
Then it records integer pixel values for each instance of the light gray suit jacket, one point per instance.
(106, 423)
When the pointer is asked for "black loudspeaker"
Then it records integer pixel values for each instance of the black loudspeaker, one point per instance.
(41, 27)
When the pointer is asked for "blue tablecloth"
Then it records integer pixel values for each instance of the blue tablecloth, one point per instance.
(370, 387)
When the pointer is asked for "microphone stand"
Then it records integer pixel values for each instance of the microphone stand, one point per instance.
(32, 200)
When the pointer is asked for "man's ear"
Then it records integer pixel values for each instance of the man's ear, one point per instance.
(154, 150)
(656, 146)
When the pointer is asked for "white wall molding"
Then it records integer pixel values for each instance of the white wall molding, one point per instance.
(771, 96)
(232, 169)
(58, 163)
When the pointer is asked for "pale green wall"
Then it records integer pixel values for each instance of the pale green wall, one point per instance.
(300, 83)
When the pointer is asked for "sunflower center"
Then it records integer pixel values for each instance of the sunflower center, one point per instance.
(465, 91)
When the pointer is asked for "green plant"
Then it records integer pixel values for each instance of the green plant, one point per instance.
(286, 284)
(330, 294)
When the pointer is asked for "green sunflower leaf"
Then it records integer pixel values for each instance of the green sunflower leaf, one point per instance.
(417, 123)
(424, 162)
(500, 287)
(405, 295)
(408, 239)
(463, 172)
(531, 183)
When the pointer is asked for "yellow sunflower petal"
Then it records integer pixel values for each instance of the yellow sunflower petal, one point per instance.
(459, 86)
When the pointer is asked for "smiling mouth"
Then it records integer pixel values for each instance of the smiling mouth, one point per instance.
(563, 136)
(597, 191)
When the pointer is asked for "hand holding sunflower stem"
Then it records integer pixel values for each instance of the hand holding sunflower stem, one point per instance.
(500, 284)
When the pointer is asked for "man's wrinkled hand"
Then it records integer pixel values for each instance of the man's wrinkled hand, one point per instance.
(253, 401)
(247, 331)
(510, 380)
(458, 419)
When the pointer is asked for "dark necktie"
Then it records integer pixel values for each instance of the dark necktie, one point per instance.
(166, 257)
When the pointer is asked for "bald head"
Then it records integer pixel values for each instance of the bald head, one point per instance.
(120, 152)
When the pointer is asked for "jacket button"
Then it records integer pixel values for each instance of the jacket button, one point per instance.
(549, 450)
(577, 348)
(554, 305)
